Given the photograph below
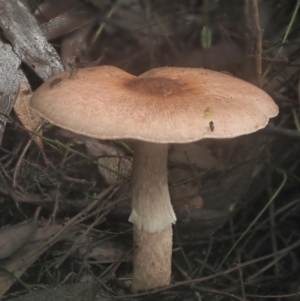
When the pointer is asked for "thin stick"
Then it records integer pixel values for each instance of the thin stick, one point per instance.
(17, 167)
(241, 278)
(258, 52)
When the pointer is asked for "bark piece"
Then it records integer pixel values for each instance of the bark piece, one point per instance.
(9, 81)
(27, 40)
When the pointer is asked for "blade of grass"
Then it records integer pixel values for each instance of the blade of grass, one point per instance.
(124, 145)
(102, 25)
(287, 32)
(257, 217)
(296, 120)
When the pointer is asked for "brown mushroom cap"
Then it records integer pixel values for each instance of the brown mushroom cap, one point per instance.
(163, 105)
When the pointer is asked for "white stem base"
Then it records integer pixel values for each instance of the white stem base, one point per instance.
(152, 259)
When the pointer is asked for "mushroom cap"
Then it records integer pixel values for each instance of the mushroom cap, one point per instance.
(163, 105)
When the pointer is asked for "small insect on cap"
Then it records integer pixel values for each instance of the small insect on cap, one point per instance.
(163, 105)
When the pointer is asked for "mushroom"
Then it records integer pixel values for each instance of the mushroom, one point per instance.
(161, 106)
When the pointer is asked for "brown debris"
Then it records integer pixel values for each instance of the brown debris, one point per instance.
(28, 118)
(14, 237)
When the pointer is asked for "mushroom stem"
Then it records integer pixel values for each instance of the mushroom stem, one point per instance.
(152, 259)
(152, 215)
